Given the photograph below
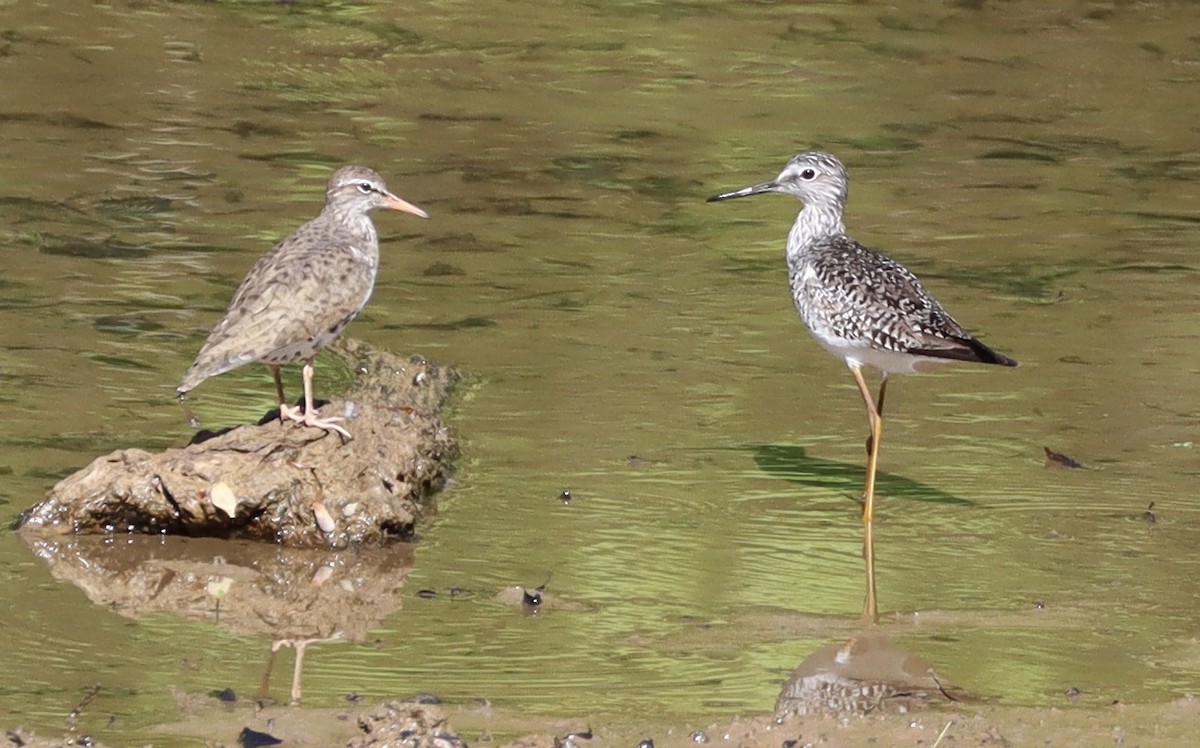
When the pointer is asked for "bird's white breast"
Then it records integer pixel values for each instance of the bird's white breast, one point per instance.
(364, 257)
(808, 274)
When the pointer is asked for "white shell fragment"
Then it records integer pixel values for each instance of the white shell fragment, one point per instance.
(223, 498)
(323, 517)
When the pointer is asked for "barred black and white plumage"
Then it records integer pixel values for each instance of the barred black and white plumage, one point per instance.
(860, 305)
(870, 310)
(863, 307)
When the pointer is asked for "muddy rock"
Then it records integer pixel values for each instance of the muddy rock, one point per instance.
(402, 724)
(276, 482)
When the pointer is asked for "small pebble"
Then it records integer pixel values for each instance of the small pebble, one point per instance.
(323, 517)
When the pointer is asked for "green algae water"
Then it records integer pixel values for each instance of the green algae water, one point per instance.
(627, 342)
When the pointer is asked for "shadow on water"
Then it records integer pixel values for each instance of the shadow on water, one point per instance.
(791, 463)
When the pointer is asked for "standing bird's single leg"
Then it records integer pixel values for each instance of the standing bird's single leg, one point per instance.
(309, 416)
(870, 606)
(875, 418)
(878, 409)
(882, 391)
(876, 422)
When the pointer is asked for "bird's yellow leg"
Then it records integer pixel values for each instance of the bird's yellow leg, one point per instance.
(876, 422)
(870, 607)
(882, 391)
(875, 418)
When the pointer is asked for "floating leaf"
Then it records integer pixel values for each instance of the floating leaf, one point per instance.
(1060, 460)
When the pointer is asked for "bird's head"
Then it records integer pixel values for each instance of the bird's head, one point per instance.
(359, 189)
(818, 179)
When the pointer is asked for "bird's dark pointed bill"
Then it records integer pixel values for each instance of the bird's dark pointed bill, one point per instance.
(392, 202)
(754, 189)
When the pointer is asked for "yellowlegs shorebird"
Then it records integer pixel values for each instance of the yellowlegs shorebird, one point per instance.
(861, 306)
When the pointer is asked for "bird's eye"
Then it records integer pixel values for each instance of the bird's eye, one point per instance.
(808, 174)
(365, 188)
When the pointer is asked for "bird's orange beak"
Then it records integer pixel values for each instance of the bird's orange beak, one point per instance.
(391, 202)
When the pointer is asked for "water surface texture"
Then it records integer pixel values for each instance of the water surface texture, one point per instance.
(628, 342)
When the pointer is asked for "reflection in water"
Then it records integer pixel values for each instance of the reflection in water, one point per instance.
(870, 601)
(247, 588)
(295, 597)
(300, 645)
(866, 673)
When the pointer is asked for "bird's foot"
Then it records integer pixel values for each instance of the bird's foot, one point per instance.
(309, 418)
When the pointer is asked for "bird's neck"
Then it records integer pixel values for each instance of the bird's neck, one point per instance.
(356, 222)
(813, 224)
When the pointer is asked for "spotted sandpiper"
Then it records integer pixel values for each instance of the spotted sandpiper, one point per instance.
(301, 295)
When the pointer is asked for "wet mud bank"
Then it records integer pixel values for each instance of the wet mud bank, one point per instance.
(278, 482)
(230, 720)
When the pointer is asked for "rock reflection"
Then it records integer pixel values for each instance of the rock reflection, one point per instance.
(862, 675)
(294, 596)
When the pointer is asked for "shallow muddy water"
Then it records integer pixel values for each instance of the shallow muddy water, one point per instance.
(628, 342)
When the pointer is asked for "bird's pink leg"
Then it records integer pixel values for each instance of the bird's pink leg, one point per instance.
(309, 416)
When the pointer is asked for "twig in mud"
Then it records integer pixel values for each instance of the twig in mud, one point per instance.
(941, 688)
(77, 712)
(942, 734)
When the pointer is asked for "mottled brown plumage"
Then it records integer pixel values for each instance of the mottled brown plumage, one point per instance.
(301, 295)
